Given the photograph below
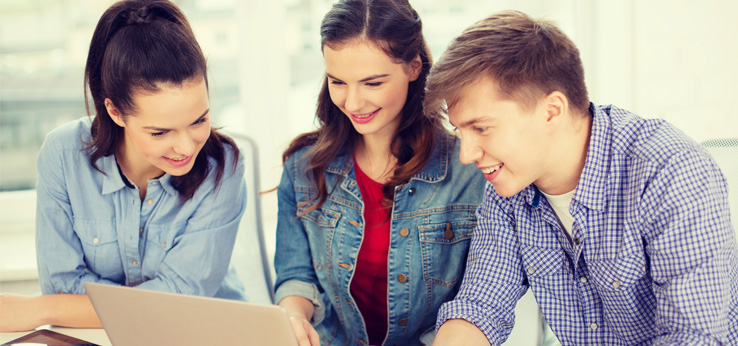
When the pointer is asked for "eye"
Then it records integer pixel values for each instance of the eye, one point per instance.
(157, 134)
(337, 82)
(200, 121)
(479, 129)
(374, 84)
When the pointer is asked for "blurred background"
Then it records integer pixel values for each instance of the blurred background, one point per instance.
(672, 59)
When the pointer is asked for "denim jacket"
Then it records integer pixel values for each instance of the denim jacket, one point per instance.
(432, 221)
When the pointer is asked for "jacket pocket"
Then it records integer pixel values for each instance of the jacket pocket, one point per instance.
(100, 245)
(444, 247)
(320, 226)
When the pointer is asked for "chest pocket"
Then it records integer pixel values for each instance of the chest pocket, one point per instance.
(100, 246)
(159, 240)
(444, 247)
(320, 226)
(620, 278)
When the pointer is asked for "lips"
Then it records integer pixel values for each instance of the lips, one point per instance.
(365, 117)
(179, 162)
(490, 173)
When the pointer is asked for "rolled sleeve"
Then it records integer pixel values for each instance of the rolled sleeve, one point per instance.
(306, 290)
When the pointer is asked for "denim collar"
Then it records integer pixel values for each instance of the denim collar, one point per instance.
(433, 171)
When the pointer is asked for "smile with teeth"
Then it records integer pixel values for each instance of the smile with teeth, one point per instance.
(490, 170)
(179, 159)
(365, 115)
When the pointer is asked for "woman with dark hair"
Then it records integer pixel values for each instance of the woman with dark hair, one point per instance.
(376, 212)
(146, 193)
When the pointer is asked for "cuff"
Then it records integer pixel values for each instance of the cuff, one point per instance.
(458, 309)
(306, 290)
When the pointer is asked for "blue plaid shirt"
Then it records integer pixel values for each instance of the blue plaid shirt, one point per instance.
(652, 257)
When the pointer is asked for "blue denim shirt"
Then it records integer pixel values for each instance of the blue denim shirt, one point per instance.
(432, 221)
(91, 227)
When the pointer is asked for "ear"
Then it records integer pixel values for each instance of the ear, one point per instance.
(557, 106)
(415, 67)
(114, 113)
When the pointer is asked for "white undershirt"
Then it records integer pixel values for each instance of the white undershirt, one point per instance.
(560, 205)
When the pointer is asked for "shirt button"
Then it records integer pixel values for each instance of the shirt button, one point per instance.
(140, 230)
(404, 232)
(153, 182)
(531, 270)
(95, 240)
(402, 278)
(402, 322)
(583, 279)
(164, 245)
(593, 326)
(577, 241)
(411, 191)
(616, 284)
(150, 202)
(135, 262)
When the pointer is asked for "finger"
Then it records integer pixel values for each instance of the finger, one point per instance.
(299, 329)
(313, 335)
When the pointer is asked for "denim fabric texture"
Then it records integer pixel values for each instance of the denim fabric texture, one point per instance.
(432, 221)
(653, 257)
(92, 227)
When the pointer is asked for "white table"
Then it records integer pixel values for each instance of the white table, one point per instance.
(96, 336)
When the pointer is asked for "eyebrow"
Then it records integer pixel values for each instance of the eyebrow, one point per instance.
(364, 79)
(470, 122)
(161, 129)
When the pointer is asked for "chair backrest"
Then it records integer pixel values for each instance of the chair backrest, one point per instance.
(249, 253)
(725, 152)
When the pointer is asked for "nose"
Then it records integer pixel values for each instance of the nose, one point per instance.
(184, 144)
(354, 101)
(470, 152)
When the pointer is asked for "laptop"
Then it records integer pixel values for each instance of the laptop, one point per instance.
(139, 317)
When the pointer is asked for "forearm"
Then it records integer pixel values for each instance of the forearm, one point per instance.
(67, 310)
(459, 332)
(298, 306)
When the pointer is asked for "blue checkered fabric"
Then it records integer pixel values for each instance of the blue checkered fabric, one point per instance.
(652, 259)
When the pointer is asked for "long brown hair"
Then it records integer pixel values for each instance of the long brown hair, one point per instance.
(139, 45)
(395, 27)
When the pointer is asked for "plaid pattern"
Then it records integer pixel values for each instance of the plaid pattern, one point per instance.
(653, 258)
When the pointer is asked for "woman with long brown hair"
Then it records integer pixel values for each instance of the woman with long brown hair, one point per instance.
(376, 212)
(144, 193)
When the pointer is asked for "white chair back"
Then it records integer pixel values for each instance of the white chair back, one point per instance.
(249, 253)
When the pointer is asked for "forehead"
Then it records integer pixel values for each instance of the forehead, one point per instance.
(357, 59)
(171, 104)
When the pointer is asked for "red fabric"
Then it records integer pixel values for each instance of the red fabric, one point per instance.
(369, 285)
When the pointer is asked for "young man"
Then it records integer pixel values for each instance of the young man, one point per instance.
(620, 225)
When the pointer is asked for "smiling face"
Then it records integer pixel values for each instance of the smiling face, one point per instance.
(506, 141)
(165, 132)
(368, 86)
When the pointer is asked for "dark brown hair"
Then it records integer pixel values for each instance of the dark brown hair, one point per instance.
(137, 46)
(394, 27)
(526, 59)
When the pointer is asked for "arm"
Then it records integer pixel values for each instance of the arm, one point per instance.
(20, 313)
(297, 283)
(493, 282)
(692, 251)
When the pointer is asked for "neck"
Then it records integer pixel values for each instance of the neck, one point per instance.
(375, 158)
(136, 169)
(572, 155)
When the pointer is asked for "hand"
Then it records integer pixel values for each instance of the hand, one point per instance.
(304, 331)
(18, 313)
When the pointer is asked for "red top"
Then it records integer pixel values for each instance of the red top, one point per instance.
(369, 285)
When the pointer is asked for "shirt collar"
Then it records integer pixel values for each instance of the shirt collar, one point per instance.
(590, 190)
(115, 181)
(592, 187)
(433, 171)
